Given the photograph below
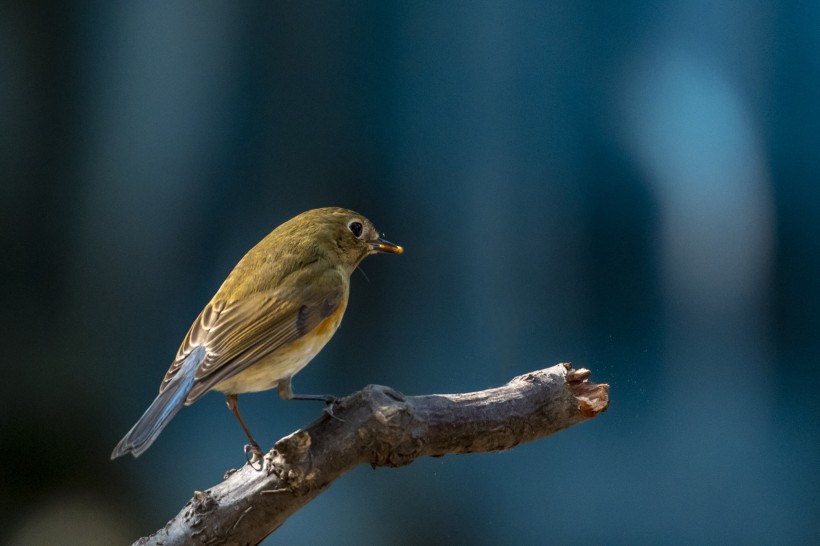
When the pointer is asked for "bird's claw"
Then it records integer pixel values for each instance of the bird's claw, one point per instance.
(329, 410)
(254, 455)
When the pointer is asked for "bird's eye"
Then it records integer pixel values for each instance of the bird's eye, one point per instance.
(355, 228)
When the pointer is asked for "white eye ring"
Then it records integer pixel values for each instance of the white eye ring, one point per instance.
(356, 228)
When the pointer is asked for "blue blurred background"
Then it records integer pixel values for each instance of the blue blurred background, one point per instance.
(632, 187)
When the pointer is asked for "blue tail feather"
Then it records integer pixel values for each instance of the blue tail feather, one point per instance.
(162, 409)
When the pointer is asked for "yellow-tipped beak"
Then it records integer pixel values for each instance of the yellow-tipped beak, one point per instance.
(386, 247)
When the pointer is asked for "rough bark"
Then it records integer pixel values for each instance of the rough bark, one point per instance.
(381, 427)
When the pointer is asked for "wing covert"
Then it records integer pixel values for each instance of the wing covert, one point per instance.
(238, 334)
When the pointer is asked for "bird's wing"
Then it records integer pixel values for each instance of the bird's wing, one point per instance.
(237, 334)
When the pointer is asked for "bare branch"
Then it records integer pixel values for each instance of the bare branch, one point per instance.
(381, 427)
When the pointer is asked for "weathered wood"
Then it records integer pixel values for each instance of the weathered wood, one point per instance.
(381, 427)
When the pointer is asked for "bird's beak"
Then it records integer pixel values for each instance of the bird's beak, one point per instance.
(386, 247)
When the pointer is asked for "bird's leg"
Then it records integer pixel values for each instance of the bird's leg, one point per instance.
(285, 391)
(253, 448)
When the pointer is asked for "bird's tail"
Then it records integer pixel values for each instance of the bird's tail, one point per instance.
(162, 409)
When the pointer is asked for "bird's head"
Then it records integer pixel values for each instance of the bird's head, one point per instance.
(343, 236)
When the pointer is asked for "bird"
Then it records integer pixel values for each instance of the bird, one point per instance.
(274, 312)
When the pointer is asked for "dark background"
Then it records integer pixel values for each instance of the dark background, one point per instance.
(632, 187)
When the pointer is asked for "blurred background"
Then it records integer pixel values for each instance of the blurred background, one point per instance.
(632, 187)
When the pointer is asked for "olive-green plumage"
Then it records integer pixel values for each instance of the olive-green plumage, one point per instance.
(278, 307)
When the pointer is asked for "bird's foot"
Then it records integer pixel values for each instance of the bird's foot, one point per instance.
(254, 455)
(329, 410)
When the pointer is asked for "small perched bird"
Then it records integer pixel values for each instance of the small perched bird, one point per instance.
(279, 306)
